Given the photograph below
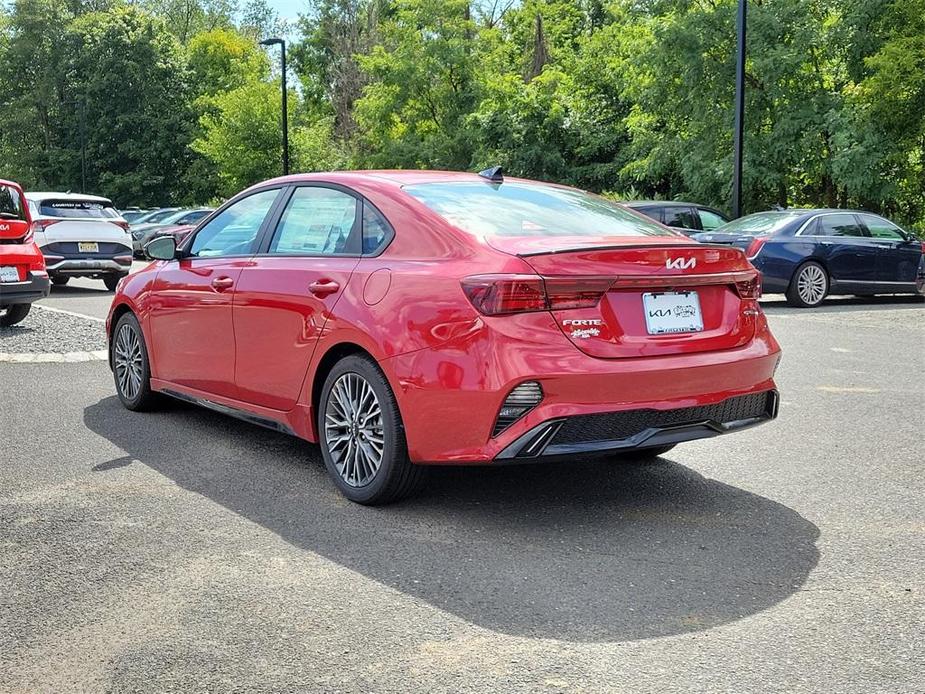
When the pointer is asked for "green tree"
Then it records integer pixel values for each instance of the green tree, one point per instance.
(422, 87)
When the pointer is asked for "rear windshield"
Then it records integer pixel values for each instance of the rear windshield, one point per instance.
(524, 209)
(759, 224)
(11, 205)
(77, 209)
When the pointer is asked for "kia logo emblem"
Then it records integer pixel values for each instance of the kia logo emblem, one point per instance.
(681, 263)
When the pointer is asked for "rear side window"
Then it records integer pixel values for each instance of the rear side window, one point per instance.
(77, 209)
(376, 231)
(710, 220)
(317, 221)
(524, 209)
(681, 217)
(837, 225)
(11, 204)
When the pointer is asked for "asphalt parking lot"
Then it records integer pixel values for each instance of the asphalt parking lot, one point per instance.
(185, 551)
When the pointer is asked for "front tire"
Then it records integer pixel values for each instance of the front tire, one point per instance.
(13, 314)
(60, 280)
(361, 435)
(130, 366)
(809, 286)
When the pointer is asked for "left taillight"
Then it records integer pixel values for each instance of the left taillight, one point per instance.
(496, 295)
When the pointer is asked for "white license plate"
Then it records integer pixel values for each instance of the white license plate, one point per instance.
(8, 273)
(672, 312)
(88, 247)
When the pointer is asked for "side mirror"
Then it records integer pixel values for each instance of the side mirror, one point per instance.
(161, 248)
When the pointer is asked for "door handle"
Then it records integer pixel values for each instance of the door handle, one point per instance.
(323, 288)
(220, 284)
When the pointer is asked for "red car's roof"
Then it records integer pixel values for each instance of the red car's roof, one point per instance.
(400, 177)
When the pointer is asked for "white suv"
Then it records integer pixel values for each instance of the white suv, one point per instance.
(81, 236)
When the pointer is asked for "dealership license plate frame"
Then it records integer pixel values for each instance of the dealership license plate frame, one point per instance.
(88, 247)
(684, 314)
(9, 273)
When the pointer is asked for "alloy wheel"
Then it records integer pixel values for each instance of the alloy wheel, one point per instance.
(811, 284)
(354, 430)
(127, 360)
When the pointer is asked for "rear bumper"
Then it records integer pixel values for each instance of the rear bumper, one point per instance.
(638, 429)
(450, 397)
(35, 287)
(85, 266)
(61, 258)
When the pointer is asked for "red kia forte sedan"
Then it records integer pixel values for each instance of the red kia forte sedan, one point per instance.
(408, 318)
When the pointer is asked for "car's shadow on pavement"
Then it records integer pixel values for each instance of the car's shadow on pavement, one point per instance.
(579, 551)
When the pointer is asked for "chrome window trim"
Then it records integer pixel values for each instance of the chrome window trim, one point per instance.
(828, 236)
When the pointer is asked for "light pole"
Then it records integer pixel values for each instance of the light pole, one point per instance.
(739, 113)
(282, 45)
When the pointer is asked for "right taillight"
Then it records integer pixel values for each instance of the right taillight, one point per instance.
(495, 295)
(42, 224)
(755, 246)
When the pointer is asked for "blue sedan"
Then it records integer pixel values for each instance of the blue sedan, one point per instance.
(810, 254)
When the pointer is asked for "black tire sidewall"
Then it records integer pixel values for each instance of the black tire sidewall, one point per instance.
(14, 313)
(144, 397)
(395, 451)
(112, 280)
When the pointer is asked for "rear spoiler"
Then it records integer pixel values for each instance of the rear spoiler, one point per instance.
(621, 247)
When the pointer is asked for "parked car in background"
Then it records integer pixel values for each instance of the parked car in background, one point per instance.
(178, 233)
(23, 278)
(142, 233)
(80, 236)
(132, 215)
(153, 216)
(811, 254)
(539, 321)
(686, 217)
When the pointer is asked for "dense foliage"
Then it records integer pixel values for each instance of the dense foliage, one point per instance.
(174, 100)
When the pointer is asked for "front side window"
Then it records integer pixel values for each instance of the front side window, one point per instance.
(838, 225)
(710, 220)
(317, 221)
(681, 217)
(880, 228)
(530, 209)
(11, 204)
(234, 231)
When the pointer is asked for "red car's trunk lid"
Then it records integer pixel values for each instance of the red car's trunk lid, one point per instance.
(720, 279)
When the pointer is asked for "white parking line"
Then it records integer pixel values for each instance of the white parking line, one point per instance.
(53, 357)
(69, 313)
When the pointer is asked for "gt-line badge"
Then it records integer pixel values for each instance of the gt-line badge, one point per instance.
(582, 329)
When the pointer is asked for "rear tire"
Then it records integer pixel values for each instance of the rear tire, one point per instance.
(112, 280)
(362, 437)
(60, 280)
(131, 369)
(13, 314)
(809, 285)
